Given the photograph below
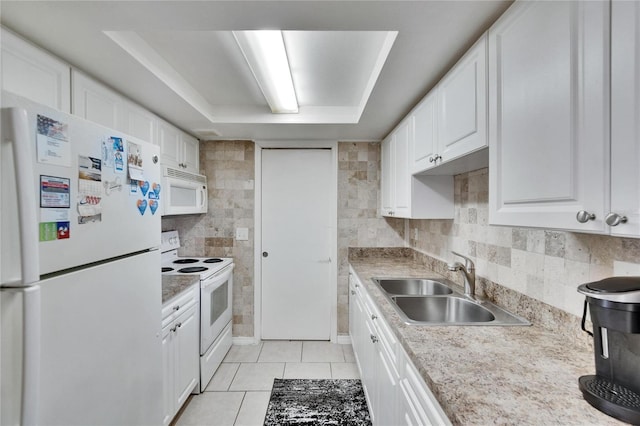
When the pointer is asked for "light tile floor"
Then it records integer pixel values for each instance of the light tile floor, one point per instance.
(239, 392)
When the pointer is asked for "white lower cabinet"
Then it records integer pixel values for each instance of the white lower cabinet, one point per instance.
(395, 392)
(180, 351)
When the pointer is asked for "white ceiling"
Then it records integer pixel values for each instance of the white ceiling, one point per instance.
(180, 60)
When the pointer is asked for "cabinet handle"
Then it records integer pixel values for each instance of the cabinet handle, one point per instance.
(176, 308)
(584, 216)
(374, 339)
(614, 219)
(435, 158)
(178, 325)
(173, 330)
(353, 293)
(357, 285)
(374, 317)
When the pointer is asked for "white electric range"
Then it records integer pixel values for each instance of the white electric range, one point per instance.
(216, 293)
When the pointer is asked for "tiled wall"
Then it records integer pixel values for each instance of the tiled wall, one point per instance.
(358, 222)
(543, 264)
(230, 170)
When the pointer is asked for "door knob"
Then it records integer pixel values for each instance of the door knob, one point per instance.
(584, 216)
(614, 219)
(265, 254)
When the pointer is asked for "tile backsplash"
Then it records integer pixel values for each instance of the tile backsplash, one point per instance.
(230, 170)
(543, 264)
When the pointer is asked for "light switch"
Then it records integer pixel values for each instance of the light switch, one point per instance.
(242, 234)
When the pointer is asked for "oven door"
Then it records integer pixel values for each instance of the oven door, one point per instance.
(216, 294)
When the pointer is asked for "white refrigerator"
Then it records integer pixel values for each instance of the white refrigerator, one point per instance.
(80, 280)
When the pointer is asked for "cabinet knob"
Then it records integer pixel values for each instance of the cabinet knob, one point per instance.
(353, 293)
(584, 216)
(374, 339)
(374, 316)
(614, 219)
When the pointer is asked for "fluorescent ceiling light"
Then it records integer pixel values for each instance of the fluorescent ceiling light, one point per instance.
(266, 55)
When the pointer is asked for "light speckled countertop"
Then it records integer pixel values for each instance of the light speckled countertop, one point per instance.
(487, 375)
(173, 285)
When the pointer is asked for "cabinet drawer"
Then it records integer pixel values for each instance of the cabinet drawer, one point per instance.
(179, 304)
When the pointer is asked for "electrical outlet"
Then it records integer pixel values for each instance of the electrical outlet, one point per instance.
(242, 234)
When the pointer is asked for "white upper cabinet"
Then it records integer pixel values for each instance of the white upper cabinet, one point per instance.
(95, 102)
(407, 196)
(178, 150)
(462, 105)
(450, 123)
(34, 74)
(387, 189)
(424, 144)
(191, 153)
(548, 116)
(139, 122)
(625, 119)
(402, 178)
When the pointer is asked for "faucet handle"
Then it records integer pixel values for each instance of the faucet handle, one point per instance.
(467, 262)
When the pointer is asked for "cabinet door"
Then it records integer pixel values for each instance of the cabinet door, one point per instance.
(170, 144)
(139, 122)
(34, 74)
(423, 145)
(95, 102)
(387, 195)
(462, 105)
(386, 377)
(168, 373)
(368, 361)
(401, 174)
(187, 354)
(548, 102)
(625, 116)
(191, 150)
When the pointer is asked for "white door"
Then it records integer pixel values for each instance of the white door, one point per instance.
(296, 235)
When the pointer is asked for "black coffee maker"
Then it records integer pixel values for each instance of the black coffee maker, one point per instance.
(614, 304)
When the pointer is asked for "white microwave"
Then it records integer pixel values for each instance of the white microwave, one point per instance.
(184, 192)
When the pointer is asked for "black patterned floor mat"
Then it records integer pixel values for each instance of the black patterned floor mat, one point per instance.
(317, 402)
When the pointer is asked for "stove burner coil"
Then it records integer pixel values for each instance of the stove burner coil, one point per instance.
(166, 269)
(214, 260)
(192, 269)
(183, 261)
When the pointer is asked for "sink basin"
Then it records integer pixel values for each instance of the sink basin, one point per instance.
(423, 301)
(413, 286)
(443, 310)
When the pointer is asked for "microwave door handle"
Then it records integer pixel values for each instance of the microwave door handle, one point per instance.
(202, 197)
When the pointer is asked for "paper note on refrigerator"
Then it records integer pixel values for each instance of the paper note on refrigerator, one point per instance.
(90, 189)
(134, 161)
(52, 142)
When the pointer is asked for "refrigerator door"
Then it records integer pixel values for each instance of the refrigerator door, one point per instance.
(101, 353)
(88, 208)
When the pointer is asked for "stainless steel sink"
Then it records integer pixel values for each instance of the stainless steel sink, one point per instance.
(443, 310)
(421, 301)
(413, 286)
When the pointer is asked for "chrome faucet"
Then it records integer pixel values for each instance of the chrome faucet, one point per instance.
(469, 271)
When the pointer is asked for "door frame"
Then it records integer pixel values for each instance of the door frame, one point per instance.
(257, 281)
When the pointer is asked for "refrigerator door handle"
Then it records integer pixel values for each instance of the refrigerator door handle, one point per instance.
(30, 355)
(18, 135)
